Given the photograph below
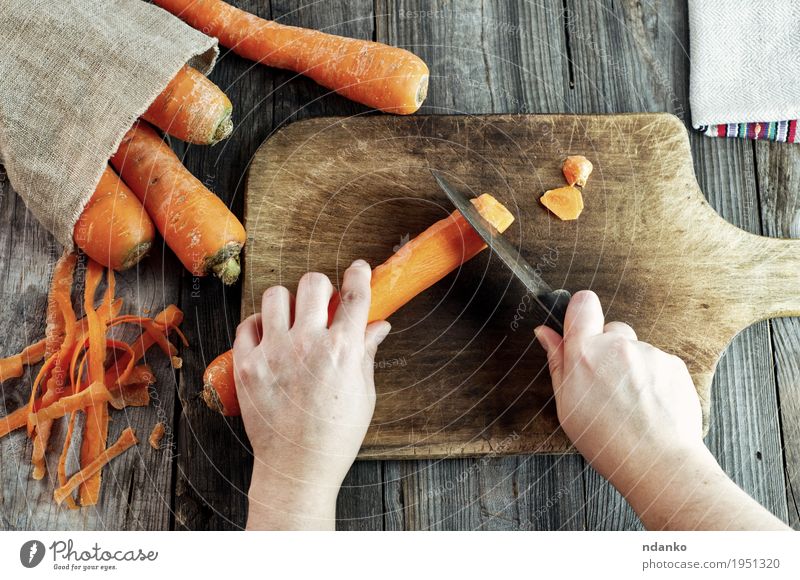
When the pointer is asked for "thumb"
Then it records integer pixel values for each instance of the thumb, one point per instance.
(374, 336)
(553, 345)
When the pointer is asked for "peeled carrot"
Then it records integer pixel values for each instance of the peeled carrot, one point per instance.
(384, 77)
(417, 266)
(126, 440)
(194, 222)
(192, 108)
(114, 229)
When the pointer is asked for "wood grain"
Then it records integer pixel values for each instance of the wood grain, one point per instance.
(778, 173)
(461, 374)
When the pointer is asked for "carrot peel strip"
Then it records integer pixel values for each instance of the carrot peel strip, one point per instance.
(126, 440)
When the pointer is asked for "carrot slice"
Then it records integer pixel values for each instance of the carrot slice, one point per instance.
(13, 366)
(126, 440)
(417, 266)
(565, 202)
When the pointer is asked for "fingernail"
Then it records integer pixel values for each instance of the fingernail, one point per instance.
(386, 330)
(359, 264)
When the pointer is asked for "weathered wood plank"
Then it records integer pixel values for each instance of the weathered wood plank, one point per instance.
(745, 434)
(484, 58)
(778, 174)
(136, 490)
(632, 56)
(214, 457)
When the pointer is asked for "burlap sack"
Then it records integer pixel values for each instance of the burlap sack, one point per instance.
(74, 75)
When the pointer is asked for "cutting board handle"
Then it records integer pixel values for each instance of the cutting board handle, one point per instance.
(775, 264)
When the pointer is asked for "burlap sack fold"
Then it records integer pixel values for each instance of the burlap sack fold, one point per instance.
(74, 75)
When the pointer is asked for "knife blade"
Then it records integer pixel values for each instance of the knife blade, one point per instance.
(552, 302)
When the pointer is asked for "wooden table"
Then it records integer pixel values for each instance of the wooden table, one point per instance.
(539, 56)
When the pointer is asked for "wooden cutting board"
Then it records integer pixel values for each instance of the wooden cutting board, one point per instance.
(461, 373)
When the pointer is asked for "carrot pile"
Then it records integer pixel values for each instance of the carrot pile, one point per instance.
(387, 78)
(83, 371)
(415, 267)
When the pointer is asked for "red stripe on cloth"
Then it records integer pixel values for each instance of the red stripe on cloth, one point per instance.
(722, 130)
(792, 131)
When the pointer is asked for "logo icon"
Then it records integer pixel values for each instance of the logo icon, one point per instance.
(31, 553)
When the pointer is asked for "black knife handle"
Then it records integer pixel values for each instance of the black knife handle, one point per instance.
(556, 303)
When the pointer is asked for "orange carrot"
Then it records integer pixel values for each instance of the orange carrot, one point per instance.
(126, 440)
(114, 228)
(195, 223)
(192, 108)
(417, 266)
(384, 77)
(219, 388)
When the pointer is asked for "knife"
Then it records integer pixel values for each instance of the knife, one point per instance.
(552, 302)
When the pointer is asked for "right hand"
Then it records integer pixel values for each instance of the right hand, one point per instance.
(624, 403)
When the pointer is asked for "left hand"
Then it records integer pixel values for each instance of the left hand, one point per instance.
(307, 392)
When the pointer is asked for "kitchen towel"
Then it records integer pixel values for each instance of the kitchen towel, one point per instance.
(745, 68)
(74, 75)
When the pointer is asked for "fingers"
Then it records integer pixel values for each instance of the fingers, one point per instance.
(248, 335)
(353, 311)
(374, 336)
(553, 345)
(584, 317)
(276, 308)
(313, 295)
(620, 328)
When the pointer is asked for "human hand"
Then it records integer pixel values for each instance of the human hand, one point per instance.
(633, 412)
(623, 403)
(307, 395)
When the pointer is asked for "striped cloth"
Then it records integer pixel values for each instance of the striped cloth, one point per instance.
(781, 131)
(744, 78)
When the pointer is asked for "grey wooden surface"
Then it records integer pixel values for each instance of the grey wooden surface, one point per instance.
(537, 56)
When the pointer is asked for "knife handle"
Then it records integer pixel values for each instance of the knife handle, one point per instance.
(556, 303)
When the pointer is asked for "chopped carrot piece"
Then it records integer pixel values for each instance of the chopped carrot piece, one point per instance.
(156, 435)
(577, 169)
(565, 202)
